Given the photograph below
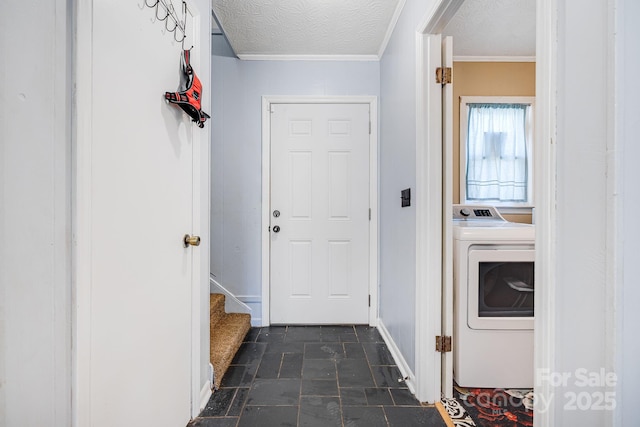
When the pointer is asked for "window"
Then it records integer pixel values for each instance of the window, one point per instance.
(495, 151)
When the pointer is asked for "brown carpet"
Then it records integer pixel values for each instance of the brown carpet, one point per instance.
(227, 332)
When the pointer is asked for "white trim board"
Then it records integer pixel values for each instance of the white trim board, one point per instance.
(81, 216)
(205, 395)
(439, 16)
(429, 244)
(266, 57)
(391, 27)
(238, 303)
(403, 366)
(254, 303)
(373, 191)
(466, 58)
(429, 219)
(545, 189)
(200, 214)
(232, 304)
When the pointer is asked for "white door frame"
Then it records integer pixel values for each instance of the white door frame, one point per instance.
(429, 232)
(82, 225)
(428, 285)
(373, 192)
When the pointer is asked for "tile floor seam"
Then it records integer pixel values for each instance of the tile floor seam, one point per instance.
(280, 365)
(226, 413)
(246, 400)
(386, 418)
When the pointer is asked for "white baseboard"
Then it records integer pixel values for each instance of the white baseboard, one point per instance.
(254, 302)
(231, 304)
(205, 395)
(403, 366)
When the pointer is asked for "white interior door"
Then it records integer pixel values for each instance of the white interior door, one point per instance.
(319, 203)
(447, 214)
(434, 266)
(141, 206)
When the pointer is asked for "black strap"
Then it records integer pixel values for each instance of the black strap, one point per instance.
(186, 62)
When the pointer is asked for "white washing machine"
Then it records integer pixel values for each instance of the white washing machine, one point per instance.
(493, 279)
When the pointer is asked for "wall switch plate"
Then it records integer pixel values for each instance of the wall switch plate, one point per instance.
(405, 197)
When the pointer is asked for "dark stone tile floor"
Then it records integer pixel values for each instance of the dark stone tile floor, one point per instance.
(314, 376)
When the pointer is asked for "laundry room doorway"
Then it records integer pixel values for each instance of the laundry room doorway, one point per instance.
(434, 233)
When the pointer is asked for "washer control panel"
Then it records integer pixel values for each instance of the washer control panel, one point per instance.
(470, 212)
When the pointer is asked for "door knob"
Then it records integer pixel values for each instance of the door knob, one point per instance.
(191, 240)
(276, 228)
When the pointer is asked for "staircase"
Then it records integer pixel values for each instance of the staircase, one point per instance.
(227, 332)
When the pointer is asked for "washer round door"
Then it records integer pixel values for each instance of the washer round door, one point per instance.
(500, 287)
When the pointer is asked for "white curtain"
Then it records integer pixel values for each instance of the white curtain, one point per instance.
(497, 166)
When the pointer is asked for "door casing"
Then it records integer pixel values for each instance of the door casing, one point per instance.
(373, 192)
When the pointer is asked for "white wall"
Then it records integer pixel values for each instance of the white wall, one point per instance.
(236, 188)
(35, 164)
(397, 172)
(590, 232)
(583, 290)
(628, 234)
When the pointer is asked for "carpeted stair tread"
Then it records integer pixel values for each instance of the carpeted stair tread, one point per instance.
(216, 308)
(226, 338)
(227, 333)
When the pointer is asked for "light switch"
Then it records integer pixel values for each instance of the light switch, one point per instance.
(405, 197)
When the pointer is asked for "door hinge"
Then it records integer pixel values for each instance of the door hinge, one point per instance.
(369, 214)
(444, 75)
(369, 300)
(369, 127)
(443, 344)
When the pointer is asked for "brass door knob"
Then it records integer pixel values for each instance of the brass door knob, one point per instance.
(191, 240)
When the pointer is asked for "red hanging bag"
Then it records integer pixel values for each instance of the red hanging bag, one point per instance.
(190, 99)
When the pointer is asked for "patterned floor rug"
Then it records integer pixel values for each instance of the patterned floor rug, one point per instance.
(490, 407)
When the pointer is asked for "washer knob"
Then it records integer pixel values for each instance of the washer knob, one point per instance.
(465, 212)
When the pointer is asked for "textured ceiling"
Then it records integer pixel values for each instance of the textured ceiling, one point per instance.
(494, 28)
(359, 28)
(305, 27)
